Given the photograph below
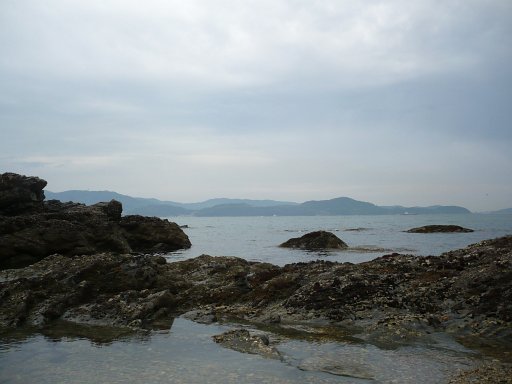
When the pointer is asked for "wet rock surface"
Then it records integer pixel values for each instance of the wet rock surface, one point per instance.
(440, 229)
(242, 340)
(32, 229)
(466, 292)
(316, 240)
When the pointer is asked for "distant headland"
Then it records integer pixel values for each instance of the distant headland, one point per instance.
(245, 207)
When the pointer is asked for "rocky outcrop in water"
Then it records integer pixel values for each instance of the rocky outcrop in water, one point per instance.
(32, 229)
(316, 240)
(439, 229)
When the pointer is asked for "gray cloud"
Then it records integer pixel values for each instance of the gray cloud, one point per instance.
(389, 101)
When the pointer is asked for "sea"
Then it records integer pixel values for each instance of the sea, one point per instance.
(186, 353)
(368, 237)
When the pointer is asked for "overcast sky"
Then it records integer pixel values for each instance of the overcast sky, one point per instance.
(392, 102)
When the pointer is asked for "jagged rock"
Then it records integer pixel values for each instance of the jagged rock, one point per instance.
(439, 228)
(49, 227)
(20, 194)
(316, 240)
(113, 209)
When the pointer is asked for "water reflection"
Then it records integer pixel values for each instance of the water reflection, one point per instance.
(186, 353)
(64, 331)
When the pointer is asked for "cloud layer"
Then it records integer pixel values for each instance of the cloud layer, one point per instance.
(388, 101)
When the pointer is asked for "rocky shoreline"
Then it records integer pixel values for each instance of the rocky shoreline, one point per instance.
(393, 300)
(466, 292)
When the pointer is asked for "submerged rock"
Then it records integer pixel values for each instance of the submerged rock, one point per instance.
(32, 229)
(242, 340)
(316, 240)
(334, 366)
(439, 228)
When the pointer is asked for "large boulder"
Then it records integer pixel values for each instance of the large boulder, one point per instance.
(316, 240)
(20, 194)
(49, 227)
(146, 234)
(439, 229)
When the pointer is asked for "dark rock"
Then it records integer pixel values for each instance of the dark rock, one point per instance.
(439, 228)
(202, 316)
(146, 234)
(316, 240)
(113, 209)
(20, 194)
(49, 227)
(358, 229)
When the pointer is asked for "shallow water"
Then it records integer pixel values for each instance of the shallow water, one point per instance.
(186, 353)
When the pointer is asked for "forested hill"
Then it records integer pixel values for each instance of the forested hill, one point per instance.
(247, 207)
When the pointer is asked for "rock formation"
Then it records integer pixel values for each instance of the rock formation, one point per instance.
(20, 194)
(394, 298)
(316, 240)
(32, 229)
(439, 228)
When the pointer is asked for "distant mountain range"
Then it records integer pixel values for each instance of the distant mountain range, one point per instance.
(506, 211)
(246, 207)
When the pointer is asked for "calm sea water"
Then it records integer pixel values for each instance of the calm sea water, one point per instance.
(186, 353)
(258, 238)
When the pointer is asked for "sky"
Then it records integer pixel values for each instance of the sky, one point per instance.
(392, 102)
